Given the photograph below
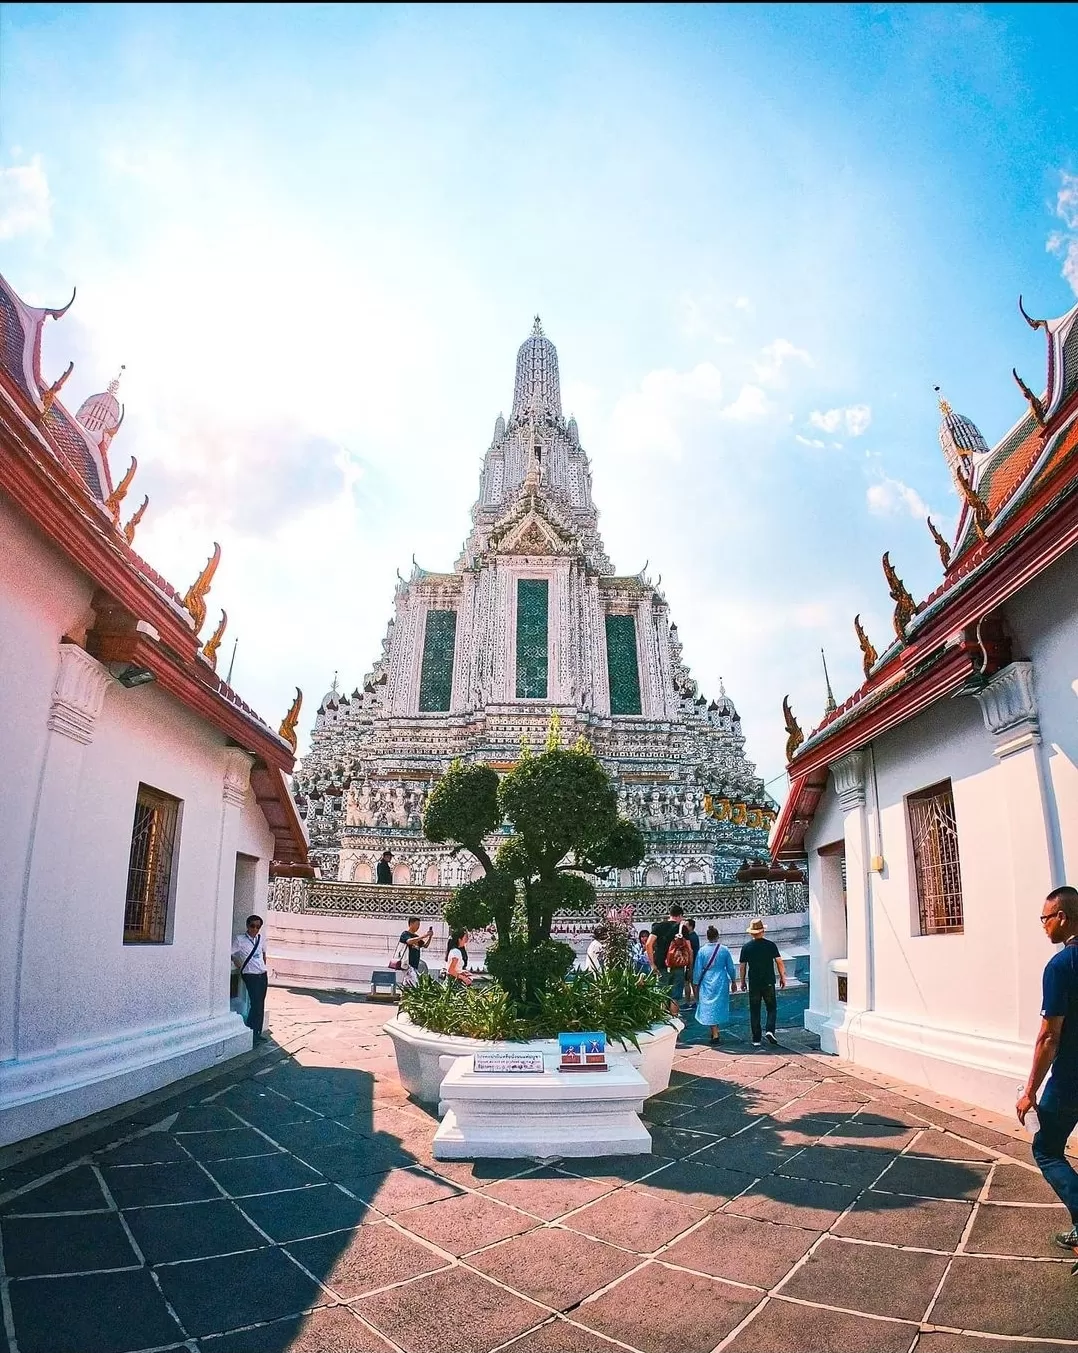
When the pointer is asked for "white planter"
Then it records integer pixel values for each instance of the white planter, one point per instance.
(419, 1054)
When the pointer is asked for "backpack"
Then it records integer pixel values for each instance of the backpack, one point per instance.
(679, 954)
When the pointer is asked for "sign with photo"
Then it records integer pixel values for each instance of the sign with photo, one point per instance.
(582, 1052)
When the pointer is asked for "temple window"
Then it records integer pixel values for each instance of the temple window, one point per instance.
(154, 837)
(436, 677)
(533, 598)
(622, 664)
(938, 875)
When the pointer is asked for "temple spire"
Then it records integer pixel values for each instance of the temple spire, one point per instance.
(831, 705)
(537, 389)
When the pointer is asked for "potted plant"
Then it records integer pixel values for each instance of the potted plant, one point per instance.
(557, 815)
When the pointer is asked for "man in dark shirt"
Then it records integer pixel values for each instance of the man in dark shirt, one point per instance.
(694, 941)
(1057, 1048)
(384, 872)
(412, 952)
(662, 935)
(759, 959)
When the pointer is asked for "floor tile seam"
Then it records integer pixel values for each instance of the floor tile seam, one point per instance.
(7, 1314)
(75, 1212)
(998, 1338)
(48, 1178)
(711, 1277)
(560, 1319)
(847, 1310)
(747, 1319)
(75, 1273)
(593, 1297)
(893, 1245)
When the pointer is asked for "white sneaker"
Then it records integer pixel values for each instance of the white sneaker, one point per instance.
(771, 1038)
(755, 1042)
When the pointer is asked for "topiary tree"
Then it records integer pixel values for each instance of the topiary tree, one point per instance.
(565, 830)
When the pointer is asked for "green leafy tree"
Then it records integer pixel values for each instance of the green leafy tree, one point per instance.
(565, 831)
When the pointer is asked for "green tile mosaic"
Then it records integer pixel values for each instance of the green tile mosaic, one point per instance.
(436, 677)
(533, 601)
(622, 665)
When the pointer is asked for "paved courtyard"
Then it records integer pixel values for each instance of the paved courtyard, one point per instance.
(292, 1203)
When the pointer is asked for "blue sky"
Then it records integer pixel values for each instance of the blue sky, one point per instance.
(758, 235)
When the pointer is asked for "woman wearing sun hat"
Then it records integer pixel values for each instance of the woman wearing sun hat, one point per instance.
(759, 958)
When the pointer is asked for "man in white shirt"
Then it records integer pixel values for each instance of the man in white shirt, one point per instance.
(595, 958)
(249, 956)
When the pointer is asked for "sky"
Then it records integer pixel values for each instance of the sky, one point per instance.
(759, 235)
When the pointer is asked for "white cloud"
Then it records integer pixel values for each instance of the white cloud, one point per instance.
(749, 406)
(890, 497)
(1064, 243)
(809, 441)
(650, 420)
(25, 202)
(855, 419)
(774, 357)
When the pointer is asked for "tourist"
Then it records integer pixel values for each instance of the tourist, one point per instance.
(1057, 1049)
(759, 958)
(384, 872)
(456, 958)
(670, 954)
(595, 958)
(640, 962)
(694, 943)
(410, 948)
(249, 956)
(715, 976)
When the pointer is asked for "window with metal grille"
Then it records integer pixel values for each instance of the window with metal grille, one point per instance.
(622, 665)
(436, 676)
(533, 600)
(937, 872)
(149, 871)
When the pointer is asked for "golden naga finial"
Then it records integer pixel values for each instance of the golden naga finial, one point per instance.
(209, 652)
(132, 525)
(945, 408)
(1034, 403)
(941, 544)
(119, 493)
(905, 607)
(48, 396)
(194, 602)
(109, 433)
(868, 652)
(795, 737)
(982, 513)
(553, 732)
(287, 729)
(1033, 323)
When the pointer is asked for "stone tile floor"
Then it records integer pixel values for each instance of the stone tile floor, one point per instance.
(291, 1202)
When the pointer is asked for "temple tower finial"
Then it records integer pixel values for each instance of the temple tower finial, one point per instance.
(961, 440)
(537, 389)
(831, 705)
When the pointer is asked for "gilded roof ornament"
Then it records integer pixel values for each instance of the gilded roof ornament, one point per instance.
(905, 606)
(132, 525)
(1036, 407)
(48, 396)
(287, 729)
(1033, 323)
(209, 652)
(982, 513)
(831, 705)
(194, 601)
(868, 652)
(794, 735)
(941, 543)
(119, 493)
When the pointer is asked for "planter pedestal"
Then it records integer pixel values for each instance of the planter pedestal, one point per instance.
(489, 1115)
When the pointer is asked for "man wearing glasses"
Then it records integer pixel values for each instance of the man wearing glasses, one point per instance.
(1057, 1048)
(249, 956)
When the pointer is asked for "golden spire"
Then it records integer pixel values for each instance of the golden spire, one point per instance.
(868, 652)
(49, 395)
(905, 607)
(941, 544)
(945, 408)
(194, 601)
(209, 652)
(1031, 399)
(794, 737)
(129, 529)
(982, 513)
(287, 729)
(119, 493)
(831, 706)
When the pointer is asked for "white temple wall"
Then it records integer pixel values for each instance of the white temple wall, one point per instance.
(87, 1021)
(956, 1012)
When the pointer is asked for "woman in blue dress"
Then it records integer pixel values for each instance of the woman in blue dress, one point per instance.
(715, 976)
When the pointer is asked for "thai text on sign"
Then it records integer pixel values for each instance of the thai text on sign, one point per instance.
(509, 1063)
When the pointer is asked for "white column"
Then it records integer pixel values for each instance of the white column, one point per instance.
(848, 779)
(79, 693)
(1009, 708)
(234, 789)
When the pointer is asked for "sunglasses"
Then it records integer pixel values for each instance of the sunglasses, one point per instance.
(1050, 917)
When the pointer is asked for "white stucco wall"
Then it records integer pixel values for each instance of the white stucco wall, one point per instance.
(956, 1012)
(87, 1021)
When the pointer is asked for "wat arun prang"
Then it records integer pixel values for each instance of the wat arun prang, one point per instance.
(532, 619)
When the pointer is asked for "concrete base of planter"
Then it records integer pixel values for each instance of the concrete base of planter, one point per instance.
(419, 1054)
(553, 1114)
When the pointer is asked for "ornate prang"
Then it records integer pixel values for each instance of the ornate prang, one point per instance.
(49, 395)
(119, 493)
(905, 607)
(132, 525)
(941, 543)
(982, 513)
(795, 737)
(1033, 323)
(194, 602)
(1031, 399)
(868, 652)
(287, 729)
(209, 652)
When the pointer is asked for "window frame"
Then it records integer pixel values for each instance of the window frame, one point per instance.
(935, 859)
(158, 888)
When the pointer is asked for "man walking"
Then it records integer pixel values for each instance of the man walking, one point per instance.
(249, 956)
(384, 872)
(670, 954)
(759, 958)
(410, 948)
(691, 993)
(1056, 1050)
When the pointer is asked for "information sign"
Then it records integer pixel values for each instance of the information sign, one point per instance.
(509, 1063)
(582, 1052)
